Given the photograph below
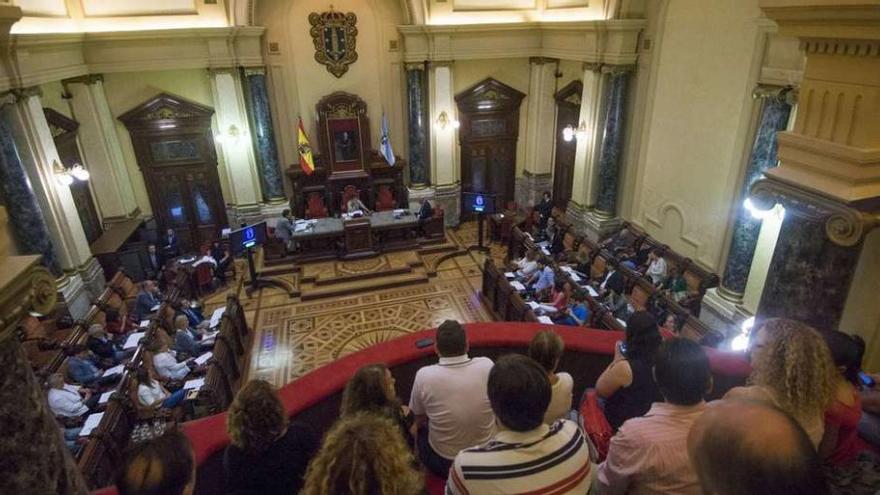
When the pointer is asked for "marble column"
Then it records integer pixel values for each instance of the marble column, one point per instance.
(101, 150)
(611, 150)
(234, 145)
(445, 171)
(26, 217)
(775, 112)
(539, 132)
(583, 184)
(264, 135)
(417, 108)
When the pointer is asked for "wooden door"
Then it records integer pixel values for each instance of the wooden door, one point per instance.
(174, 146)
(489, 113)
(64, 132)
(568, 103)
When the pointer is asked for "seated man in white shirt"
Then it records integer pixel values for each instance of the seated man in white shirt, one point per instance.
(449, 401)
(166, 364)
(526, 266)
(526, 455)
(657, 268)
(67, 400)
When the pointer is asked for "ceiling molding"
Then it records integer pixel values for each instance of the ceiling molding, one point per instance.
(608, 41)
(40, 58)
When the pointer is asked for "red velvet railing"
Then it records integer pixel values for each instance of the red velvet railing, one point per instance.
(314, 398)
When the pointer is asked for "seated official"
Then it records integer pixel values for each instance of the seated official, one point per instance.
(165, 465)
(155, 262)
(546, 349)
(153, 394)
(284, 229)
(223, 257)
(620, 242)
(170, 244)
(103, 347)
(81, 368)
(526, 266)
(147, 300)
(356, 205)
(657, 268)
(267, 455)
(187, 340)
(627, 384)
(526, 455)
(611, 277)
(649, 454)
(69, 401)
(742, 447)
(576, 314)
(449, 401)
(426, 211)
(166, 364)
(543, 279)
(193, 315)
(558, 300)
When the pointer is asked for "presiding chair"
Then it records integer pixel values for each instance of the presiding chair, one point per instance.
(385, 200)
(315, 206)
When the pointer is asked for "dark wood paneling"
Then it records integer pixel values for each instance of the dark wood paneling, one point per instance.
(568, 102)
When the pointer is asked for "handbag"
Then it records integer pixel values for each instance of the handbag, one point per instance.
(594, 424)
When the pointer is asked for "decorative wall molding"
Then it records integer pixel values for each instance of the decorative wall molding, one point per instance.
(611, 42)
(25, 285)
(35, 59)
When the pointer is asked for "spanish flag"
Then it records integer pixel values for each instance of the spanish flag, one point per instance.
(305, 150)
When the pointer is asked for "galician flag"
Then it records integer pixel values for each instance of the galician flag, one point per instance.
(305, 149)
(385, 143)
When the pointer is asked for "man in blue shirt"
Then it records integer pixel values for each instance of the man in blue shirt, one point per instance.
(544, 278)
(82, 369)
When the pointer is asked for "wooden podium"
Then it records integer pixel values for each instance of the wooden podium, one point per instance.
(358, 237)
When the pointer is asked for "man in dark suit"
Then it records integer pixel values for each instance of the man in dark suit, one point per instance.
(193, 315)
(155, 262)
(545, 209)
(147, 299)
(170, 243)
(426, 211)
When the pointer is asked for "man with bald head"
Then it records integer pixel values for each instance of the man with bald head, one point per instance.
(748, 448)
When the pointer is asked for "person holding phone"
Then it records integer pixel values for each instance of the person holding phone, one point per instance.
(627, 384)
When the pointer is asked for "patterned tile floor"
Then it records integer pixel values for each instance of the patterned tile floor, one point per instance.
(294, 337)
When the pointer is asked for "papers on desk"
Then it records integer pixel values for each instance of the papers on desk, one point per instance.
(92, 422)
(133, 339)
(518, 286)
(216, 316)
(144, 323)
(105, 397)
(592, 291)
(224, 234)
(545, 319)
(194, 384)
(622, 323)
(399, 211)
(116, 370)
(509, 274)
(204, 358)
(301, 227)
(571, 273)
(533, 305)
(155, 308)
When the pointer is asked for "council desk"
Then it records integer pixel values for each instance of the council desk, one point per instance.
(360, 236)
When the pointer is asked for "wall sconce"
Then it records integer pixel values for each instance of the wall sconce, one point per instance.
(65, 176)
(570, 132)
(232, 135)
(443, 120)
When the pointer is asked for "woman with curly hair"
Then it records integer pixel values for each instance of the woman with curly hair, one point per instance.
(371, 389)
(267, 455)
(363, 454)
(793, 370)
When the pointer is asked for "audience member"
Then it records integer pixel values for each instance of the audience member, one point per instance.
(793, 370)
(371, 389)
(543, 279)
(612, 278)
(193, 313)
(158, 466)
(147, 300)
(751, 448)
(267, 454)
(155, 262)
(558, 300)
(616, 301)
(171, 245)
(649, 454)
(620, 242)
(656, 269)
(166, 364)
(578, 313)
(670, 327)
(526, 455)
(851, 467)
(153, 394)
(223, 257)
(186, 339)
(627, 384)
(363, 454)
(526, 266)
(69, 401)
(675, 285)
(81, 368)
(101, 346)
(546, 349)
(449, 401)
(545, 209)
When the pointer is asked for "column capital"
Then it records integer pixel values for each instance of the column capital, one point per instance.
(782, 94)
(255, 71)
(414, 66)
(592, 66)
(542, 60)
(87, 79)
(21, 94)
(845, 225)
(617, 69)
(30, 286)
(441, 63)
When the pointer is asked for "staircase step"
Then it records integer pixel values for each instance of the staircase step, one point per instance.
(386, 282)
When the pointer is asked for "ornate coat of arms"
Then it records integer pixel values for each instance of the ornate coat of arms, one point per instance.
(335, 36)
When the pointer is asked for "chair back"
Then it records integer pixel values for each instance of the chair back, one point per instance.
(385, 200)
(315, 206)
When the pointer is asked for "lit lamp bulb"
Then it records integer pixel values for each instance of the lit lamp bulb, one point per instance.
(741, 341)
(455, 124)
(64, 179)
(568, 134)
(79, 173)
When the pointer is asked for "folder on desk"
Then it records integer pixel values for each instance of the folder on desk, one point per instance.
(92, 422)
(133, 339)
(518, 286)
(216, 316)
(545, 319)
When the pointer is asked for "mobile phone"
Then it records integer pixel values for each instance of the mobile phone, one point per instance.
(421, 344)
(621, 345)
(866, 380)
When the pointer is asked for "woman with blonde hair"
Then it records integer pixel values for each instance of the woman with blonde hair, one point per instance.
(267, 454)
(546, 349)
(363, 454)
(792, 369)
(371, 389)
